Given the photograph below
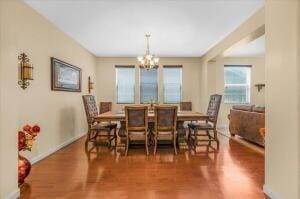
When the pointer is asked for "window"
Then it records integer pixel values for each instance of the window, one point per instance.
(148, 85)
(172, 84)
(125, 79)
(237, 84)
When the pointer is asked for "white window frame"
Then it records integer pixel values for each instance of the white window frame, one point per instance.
(247, 85)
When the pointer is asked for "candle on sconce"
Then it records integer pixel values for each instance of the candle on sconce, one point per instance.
(27, 71)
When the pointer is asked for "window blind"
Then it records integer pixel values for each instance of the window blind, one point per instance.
(172, 84)
(237, 84)
(125, 77)
(148, 85)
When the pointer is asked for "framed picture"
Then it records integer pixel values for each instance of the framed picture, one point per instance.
(64, 76)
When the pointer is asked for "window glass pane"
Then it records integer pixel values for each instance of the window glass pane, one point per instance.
(237, 84)
(236, 94)
(172, 84)
(125, 84)
(148, 87)
(236, 75)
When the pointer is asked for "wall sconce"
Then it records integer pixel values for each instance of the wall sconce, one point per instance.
(259, 86)
(90, 84)
(26, 71)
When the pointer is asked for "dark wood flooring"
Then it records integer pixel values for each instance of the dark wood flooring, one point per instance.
(234, 172)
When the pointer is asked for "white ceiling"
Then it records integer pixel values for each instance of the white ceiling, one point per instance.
(117, 27)
(255, 48)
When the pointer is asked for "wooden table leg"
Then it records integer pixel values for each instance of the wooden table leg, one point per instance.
(121, 139)
(181, 136)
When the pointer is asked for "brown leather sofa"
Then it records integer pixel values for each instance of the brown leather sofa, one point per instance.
(246, 121)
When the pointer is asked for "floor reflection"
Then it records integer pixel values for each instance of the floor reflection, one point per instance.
(104, 173)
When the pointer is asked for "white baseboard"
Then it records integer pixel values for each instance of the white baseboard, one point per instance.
(267, 190)
(13, 195)
(55, 148)
(223, 126)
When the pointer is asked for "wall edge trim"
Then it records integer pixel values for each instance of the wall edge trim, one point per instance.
(13, 195)
(267, 190)
(56, 148)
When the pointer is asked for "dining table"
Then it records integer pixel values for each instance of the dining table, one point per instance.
(182, 116)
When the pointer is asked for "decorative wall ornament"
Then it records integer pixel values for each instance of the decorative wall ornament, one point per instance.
(90, 84)
(26, 71)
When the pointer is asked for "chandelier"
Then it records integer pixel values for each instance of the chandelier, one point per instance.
(148, 61)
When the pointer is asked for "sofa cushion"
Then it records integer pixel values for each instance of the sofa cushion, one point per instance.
(258, 109)
(243, 107)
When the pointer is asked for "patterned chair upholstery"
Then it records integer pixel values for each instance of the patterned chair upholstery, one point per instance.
(95, 129)
(105, 107)
(136, 125)
(196, 129)
(165, 123)
(185, 106)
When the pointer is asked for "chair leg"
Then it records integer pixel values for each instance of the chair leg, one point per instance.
(109, 138)
(127, 145)
(115, 139)
(88, 137)
(174, 143)
(216, 137)
(155, 144)
(209, 137)
(146, 144)
(195, 138)
(189, 134)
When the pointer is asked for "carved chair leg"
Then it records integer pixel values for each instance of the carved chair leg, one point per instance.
(155, 144)
(127, 145)
(195, 138)
(216, 137)
(146, 143)
(88, 137)
(109, 138)
(209, 137)
(174, 143)
(115, 136)
(189, 135)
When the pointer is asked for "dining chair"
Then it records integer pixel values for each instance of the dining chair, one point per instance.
(105, 107)
(185, 106)
(95, 129)
(196, 129)
(165, 123)
(136, 125)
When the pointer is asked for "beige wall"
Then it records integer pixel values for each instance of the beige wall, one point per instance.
(282, 98)
(257, 77)
(248, 31)
(106, 81)
(60, 114)
(281, 93)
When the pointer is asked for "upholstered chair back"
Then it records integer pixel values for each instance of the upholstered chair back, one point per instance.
(136, 118)
(105, 107)
(90, 106)
(165, 118)
(213, 107)
(186, 106)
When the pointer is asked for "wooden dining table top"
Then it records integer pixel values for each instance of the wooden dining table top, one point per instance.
(181, 116)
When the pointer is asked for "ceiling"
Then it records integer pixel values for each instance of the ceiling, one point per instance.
(255, 48)
(178, 28)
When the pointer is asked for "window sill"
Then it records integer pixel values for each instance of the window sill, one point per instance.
(237, 103)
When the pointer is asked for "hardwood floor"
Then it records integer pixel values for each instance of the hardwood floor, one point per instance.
(232, 173)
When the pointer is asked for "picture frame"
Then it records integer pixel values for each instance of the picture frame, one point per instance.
(64, 76)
